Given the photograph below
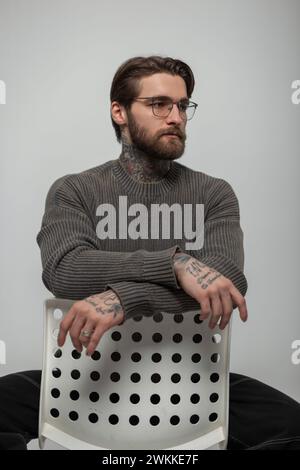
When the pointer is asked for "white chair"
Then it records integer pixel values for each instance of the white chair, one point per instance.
(157, 382)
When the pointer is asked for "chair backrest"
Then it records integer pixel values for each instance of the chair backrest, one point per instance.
(157, 382)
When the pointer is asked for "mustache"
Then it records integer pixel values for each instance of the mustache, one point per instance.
(174, 131)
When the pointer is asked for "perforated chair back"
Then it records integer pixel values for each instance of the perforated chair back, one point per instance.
(153, 383)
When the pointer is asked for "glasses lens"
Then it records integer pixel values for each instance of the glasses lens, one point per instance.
(162, 108)
(190, 111)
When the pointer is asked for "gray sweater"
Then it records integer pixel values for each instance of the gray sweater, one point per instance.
(78, 262)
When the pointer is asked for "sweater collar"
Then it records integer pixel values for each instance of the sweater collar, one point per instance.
(142, 189)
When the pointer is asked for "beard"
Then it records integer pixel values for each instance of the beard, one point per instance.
(159, 147)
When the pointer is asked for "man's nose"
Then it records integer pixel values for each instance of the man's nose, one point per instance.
(175, 115)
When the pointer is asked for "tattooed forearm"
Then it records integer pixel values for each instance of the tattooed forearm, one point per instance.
(184, 263)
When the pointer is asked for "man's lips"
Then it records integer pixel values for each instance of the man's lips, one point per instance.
(173, 135)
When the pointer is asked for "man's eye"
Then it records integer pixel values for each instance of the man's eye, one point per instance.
(160, 103)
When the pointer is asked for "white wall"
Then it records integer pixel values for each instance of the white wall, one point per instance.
(57, 60)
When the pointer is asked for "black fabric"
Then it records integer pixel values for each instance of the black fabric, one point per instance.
(260, 417)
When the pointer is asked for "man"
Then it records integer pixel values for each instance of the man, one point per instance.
(117, 271)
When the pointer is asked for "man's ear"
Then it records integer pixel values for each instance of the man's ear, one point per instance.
(118, 113)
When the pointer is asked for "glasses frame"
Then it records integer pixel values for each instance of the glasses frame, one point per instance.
(156, 98)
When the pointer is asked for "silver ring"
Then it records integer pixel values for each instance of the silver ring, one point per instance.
(86, 333)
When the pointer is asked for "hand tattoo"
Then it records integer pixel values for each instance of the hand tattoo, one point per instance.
(109, 299)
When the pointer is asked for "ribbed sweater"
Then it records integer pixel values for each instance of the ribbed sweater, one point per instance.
(77, 263)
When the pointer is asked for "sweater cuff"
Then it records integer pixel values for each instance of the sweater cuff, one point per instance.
(135, 300)
(158, 267)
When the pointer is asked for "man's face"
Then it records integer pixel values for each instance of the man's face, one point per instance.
(148, 132)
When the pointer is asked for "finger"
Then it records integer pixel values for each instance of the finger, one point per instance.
(94, 340)
(205, 308)
(227, 308)
(217, 310)
(65, 325)
(89, 326)
(240, 302)
(77, 326)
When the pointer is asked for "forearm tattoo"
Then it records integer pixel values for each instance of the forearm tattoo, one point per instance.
(107, 303)
(198, 270)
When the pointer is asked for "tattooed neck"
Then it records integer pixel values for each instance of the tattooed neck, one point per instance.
(140, 166)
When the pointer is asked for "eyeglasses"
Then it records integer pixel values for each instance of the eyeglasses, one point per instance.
(162, 106)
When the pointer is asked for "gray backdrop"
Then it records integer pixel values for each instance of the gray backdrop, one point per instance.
(57, 60)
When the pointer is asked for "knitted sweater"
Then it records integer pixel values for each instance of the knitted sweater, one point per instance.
(79, 261)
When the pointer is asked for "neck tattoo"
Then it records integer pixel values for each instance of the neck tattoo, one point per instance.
(142, 167)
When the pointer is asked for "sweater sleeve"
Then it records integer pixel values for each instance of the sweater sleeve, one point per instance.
(75, 266)
(222, 250)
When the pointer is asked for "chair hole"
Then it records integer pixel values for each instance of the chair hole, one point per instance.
(174, 420)
(175, 399)
(155, 378)
(115, 356)
(75, 374)
(177, 338)
(215, 357)
(95, 376)
(136, 357)
(114, 397)
(176, 357)
(197, 319)
(155, 399)
(57, 314)
(96, 356)
(57, 353)
(113, 419)
(56, 372)
(214, 397)
(134, 398)
(216, 338)
(214, 377)
(158, 317)
(93, 418)
(196, 358)
(136, 337)
(213, 417)
(55, 333)
(134, 420)
(178, 318)
(135, 377)
(55, 392)
(54, 412)
(94, 397)
(73, 415)
(115, 377)
(195, 398)
(154, 420)
(195, 378)
(138, 318)
(157, 337)
(194, 419)
(76, 354)
(197, 338)
(116, 336)
(175, 378)
(74, 395)
(156, 357)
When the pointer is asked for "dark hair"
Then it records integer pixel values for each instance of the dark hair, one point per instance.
(126, 82)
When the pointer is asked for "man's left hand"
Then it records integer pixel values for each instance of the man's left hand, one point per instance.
(88, 319)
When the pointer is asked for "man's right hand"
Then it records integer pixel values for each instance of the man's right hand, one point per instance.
(214, 292)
